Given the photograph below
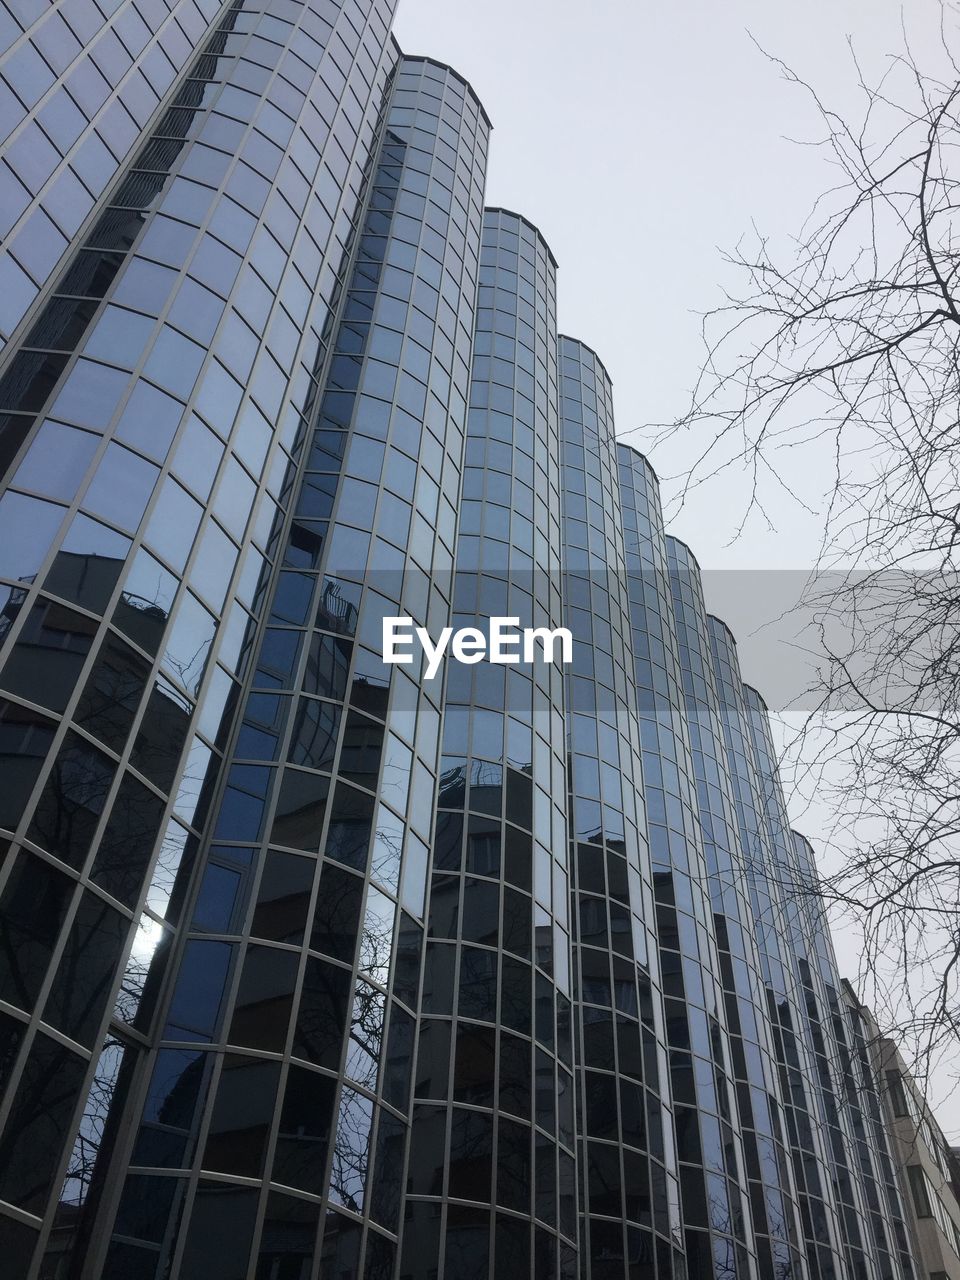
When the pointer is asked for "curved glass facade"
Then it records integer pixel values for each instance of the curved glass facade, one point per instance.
(773, 1196)
(716, 1215)
(148, 478)
(491, 1177)
(630, 1195)
(859, 1156)
(306, 1085)
(315, 966)
(804, 1119)
(79, 84)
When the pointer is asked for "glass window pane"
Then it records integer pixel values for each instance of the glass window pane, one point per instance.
(241, 1116)
(38, 1124)
(57, 460)
(121, 487)
(126, 848)
(45, 663)
(188, 643)
(27, 529)
(284, 897)
(72, 801)
(34, 904)
(87, 968)
(149, 420)
(264, 999)
(146, 601)
(88, 564)
(173, 524)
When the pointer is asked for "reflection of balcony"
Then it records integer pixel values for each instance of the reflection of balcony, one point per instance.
(453, 788)
(336, 612)
(141, 619)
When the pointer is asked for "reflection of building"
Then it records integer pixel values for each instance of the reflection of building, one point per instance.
(926, 1165)
(307, 965)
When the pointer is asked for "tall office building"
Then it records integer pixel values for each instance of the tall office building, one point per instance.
(312, 965)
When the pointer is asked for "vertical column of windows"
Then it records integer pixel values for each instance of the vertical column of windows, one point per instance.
(760, 1104)
(78, 84)
(306, 931)
(867, 1189)
(797, 934)
(493, 1082)
(716, 1214)
(804, 1119)
(97, 678)
(628, 1182)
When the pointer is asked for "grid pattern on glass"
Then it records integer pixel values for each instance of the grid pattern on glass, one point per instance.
(169, 471)
(716, 1210)
(770, 896)
(79, 83)
(861, 1149)
(494, 1052)
(286, 385)
(857, 1036)
(308, 914)
(775, 1208)
(851, 1164)
(628, 1181)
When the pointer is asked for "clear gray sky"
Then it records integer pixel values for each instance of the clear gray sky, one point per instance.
(643, 137)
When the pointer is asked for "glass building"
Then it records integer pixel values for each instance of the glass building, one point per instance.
(310, 965)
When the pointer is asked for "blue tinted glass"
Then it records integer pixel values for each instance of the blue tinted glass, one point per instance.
(144, 284)
(241, 809)
(223, 889)
(199, 991)
(197, 458)
(188, 643)
(27, 528)
(234, 499)
(174, 362)
(173, 524)
(213, 566)
(196, 311)
(82, 570)
(149, 420)
(120, 336)
(121, 487)
(90, 395)
(147, 597)
(57, 460)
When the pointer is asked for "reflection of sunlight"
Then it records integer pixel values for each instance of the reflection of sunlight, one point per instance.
(147, 939)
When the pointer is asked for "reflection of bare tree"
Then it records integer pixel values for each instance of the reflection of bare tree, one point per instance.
(387, 848)
(348, 1175)
(86, 1147)
(376, 937)
(363, 1056)
(33, 1137)
(365, 1035)
(72, 800)
(147, 943)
